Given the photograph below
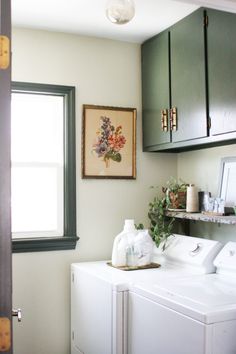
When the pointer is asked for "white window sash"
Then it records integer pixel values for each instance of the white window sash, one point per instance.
(59, 231)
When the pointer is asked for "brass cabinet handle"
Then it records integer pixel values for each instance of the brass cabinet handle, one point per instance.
(173, 119)
(164, 120)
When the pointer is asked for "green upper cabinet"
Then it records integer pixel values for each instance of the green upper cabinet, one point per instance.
(188, 83)
(221, 37)
(155, 89)
(173, 84)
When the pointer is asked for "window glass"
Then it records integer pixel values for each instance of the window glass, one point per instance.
(37, 165)
(43, 167)
(37, 128)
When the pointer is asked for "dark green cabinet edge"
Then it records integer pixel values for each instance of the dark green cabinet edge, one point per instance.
(65, 242)
(44, 244)
(195, 144)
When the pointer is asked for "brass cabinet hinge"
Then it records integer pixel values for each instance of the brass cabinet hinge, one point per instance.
(4, 52)
(206, 21)
(5, 334)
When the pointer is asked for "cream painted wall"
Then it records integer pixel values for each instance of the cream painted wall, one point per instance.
(104, 72)
(202, 167)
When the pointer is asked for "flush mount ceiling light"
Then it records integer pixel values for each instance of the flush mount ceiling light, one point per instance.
(120, 11)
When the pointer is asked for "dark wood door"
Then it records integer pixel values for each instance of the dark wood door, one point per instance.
(188, 82)
(155, 89)
(5, 212)
(221, 33)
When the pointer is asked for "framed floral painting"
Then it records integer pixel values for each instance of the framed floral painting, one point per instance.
(108, 142)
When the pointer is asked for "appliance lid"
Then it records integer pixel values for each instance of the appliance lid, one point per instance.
(207, 298)
(183, 255)
(120, 280)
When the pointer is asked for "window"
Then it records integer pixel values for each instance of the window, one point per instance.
(43, 167)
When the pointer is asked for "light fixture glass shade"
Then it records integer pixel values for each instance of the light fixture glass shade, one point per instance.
(120, 11)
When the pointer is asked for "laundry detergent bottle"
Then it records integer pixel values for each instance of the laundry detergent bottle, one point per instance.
(143, 248)
(122, 243)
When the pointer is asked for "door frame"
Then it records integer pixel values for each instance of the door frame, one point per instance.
(5, 187)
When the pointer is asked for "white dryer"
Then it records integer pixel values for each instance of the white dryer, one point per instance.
(194, 315)
(99, 293)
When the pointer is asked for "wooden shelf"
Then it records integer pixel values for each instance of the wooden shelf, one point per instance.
(228, 219)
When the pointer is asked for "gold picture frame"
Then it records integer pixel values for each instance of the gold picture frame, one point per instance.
(108, 142)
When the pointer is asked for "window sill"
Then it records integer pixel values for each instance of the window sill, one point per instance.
(44, 244)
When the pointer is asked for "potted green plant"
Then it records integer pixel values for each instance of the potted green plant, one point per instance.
(160, 226)
(174, 197)
(175, 194)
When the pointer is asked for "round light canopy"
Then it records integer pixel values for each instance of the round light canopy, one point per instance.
(120, 11)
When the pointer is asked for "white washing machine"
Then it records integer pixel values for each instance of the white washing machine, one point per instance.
(194, 315)
(99, 293)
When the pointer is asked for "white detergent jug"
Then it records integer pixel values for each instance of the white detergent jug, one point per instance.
(143, 247)
(122, 243)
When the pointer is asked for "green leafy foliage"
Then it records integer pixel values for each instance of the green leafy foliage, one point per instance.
(174, 186)
(117, 157)
(139, 226)
(160, 226)
(175, 193)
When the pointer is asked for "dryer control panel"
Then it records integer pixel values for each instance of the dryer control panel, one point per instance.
(225, 262)
(192, 251)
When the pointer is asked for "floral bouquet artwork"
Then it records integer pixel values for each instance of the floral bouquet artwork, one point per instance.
(109, 142)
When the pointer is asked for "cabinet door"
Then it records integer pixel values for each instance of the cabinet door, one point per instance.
(155, 88)
(222, 71)
(188, 83)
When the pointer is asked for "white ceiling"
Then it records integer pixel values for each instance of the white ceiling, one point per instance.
(87, 17)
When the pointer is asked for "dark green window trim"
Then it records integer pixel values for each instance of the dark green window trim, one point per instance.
(68, 241)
